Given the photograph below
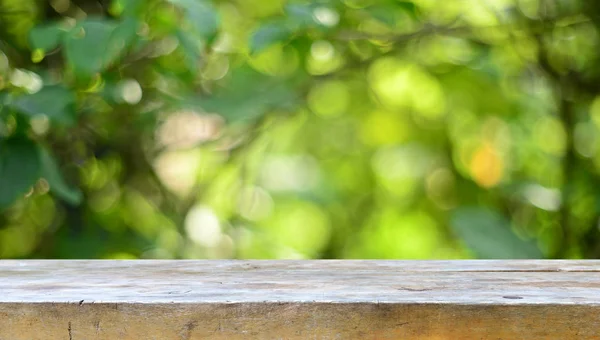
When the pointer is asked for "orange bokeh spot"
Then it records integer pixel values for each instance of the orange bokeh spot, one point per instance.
(486, 166)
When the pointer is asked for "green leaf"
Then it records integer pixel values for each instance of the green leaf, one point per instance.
(268, 35)
(489, 235)
(19, 169)
(301, 16)
(56, 102)
(383, 14)
(409, 7)
(46, 37)
(58, 186)
(390, 12)
(86, 46)
(132, 7)
(202, 15)
(249, 95)
(4, 98)
(120, 40)
(192, 49)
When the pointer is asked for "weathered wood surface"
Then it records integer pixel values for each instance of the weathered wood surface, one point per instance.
(79, 300)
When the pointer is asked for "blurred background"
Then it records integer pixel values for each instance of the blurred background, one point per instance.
(299, 129)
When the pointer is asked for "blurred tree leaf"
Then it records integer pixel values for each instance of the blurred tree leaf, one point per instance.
(301, 15)
(268, 35)
(249, 95)
(192, 48)
(86, 45)
(131, 7)
(58, 186)
(3, 100)
(56, 102)
(46, 37)
(409, 7)
(17, 18)
(202, 15)
(19, 168)
(388, 12)
(384, 14)
(121, 38)
(489, 235)
(91, 45)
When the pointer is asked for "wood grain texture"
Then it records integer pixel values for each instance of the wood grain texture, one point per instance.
(78, 300)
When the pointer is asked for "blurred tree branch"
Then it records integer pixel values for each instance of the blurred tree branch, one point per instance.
(535, 27)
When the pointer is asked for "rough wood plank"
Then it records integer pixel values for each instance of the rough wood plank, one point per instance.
(299, 300)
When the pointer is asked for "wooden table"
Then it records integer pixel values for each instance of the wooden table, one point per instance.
(79, 300)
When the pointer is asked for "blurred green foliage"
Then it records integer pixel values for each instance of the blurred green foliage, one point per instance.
(299, 129)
